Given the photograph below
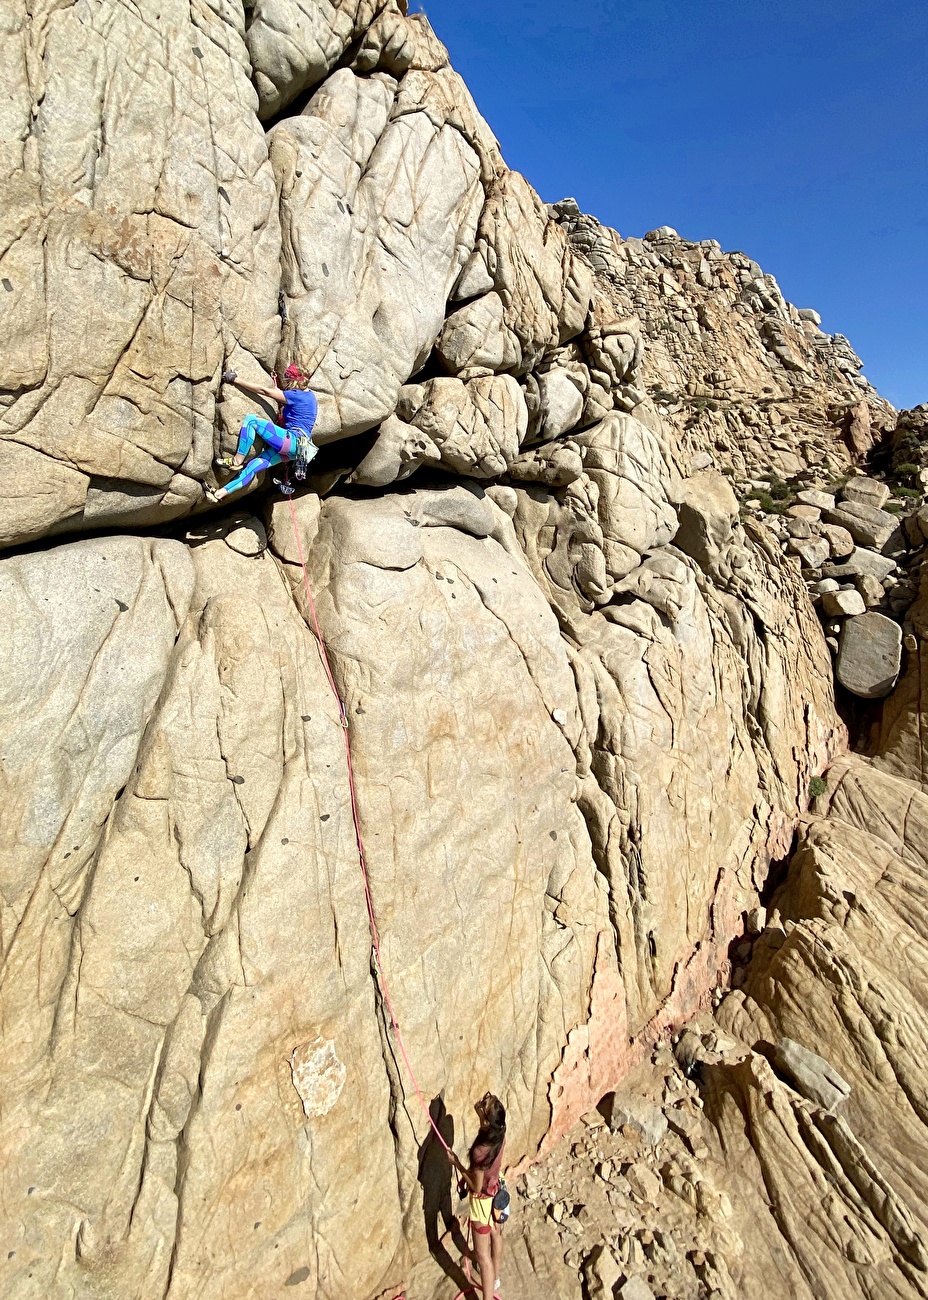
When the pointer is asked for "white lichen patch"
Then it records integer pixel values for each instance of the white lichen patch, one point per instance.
(318, 1076)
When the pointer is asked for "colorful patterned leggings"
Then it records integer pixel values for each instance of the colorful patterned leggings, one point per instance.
(279, 447)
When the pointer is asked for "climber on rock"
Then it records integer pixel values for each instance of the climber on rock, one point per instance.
(488, 1202)
(292, 443)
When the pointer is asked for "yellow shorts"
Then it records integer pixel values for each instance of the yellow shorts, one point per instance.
(480, 1212)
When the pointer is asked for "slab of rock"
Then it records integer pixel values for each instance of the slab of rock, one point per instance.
(870, 588)
(636, 1288)
(601, 1271)
(812, 514)
(869, 655)
(477, 426)
(859, 429)
(799, 528)
(644, 1182)
(561, 402)
(812, 551)
(819, 500)
(248, 537)
(840, 541)
(861, 561)
(706, 515)
(811, 1075)
(647, 1120)
(866, 491)
(843, 603)
(868, 525)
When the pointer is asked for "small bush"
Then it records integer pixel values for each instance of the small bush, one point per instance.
(816, 787)
(778, 490)
(905, 468)
(908, 492)
(768, 504)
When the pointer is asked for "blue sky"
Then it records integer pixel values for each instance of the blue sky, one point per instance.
(796, 132)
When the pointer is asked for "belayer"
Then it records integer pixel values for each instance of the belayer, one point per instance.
(488, 1198)
(291, 444)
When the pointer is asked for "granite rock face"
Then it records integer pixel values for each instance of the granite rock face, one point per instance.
(586, 690)
(787, 1140)
(742, 375)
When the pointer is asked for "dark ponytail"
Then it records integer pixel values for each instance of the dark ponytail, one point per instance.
(488, 1143)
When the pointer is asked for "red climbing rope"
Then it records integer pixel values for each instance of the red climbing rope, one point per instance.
(362, 862)
(359, 839)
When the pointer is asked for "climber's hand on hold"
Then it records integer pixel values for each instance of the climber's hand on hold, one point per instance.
(229, 377)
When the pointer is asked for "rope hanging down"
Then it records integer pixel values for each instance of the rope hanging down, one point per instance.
(359, 839)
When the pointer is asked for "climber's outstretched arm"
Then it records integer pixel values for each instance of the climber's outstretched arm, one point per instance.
(260, 390)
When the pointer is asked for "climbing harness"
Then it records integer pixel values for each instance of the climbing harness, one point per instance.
(287, 489)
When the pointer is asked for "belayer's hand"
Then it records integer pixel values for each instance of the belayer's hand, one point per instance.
(229, 376)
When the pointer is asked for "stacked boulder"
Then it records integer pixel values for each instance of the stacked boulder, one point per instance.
(860, 558)
(737, 371)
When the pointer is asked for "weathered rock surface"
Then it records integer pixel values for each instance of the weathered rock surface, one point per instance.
(141, 243)
(870, 654)
(740, 373)
(587, 697)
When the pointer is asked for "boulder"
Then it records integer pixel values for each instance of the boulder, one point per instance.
(859, 430)
(601, 1272)
(554, 463)
(707, 512)
(477, 427)
(869, 655)
(870, 588)
(477, 338)
(560, 403)
(818, 500)
(811, 1075)
(398, 451)
(860, 561)
(840, 604)
(636, 1288)
(840, 541)
(865, 491)
(247, 537)
(812, 551)
(868, 525)
(642, 1117)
